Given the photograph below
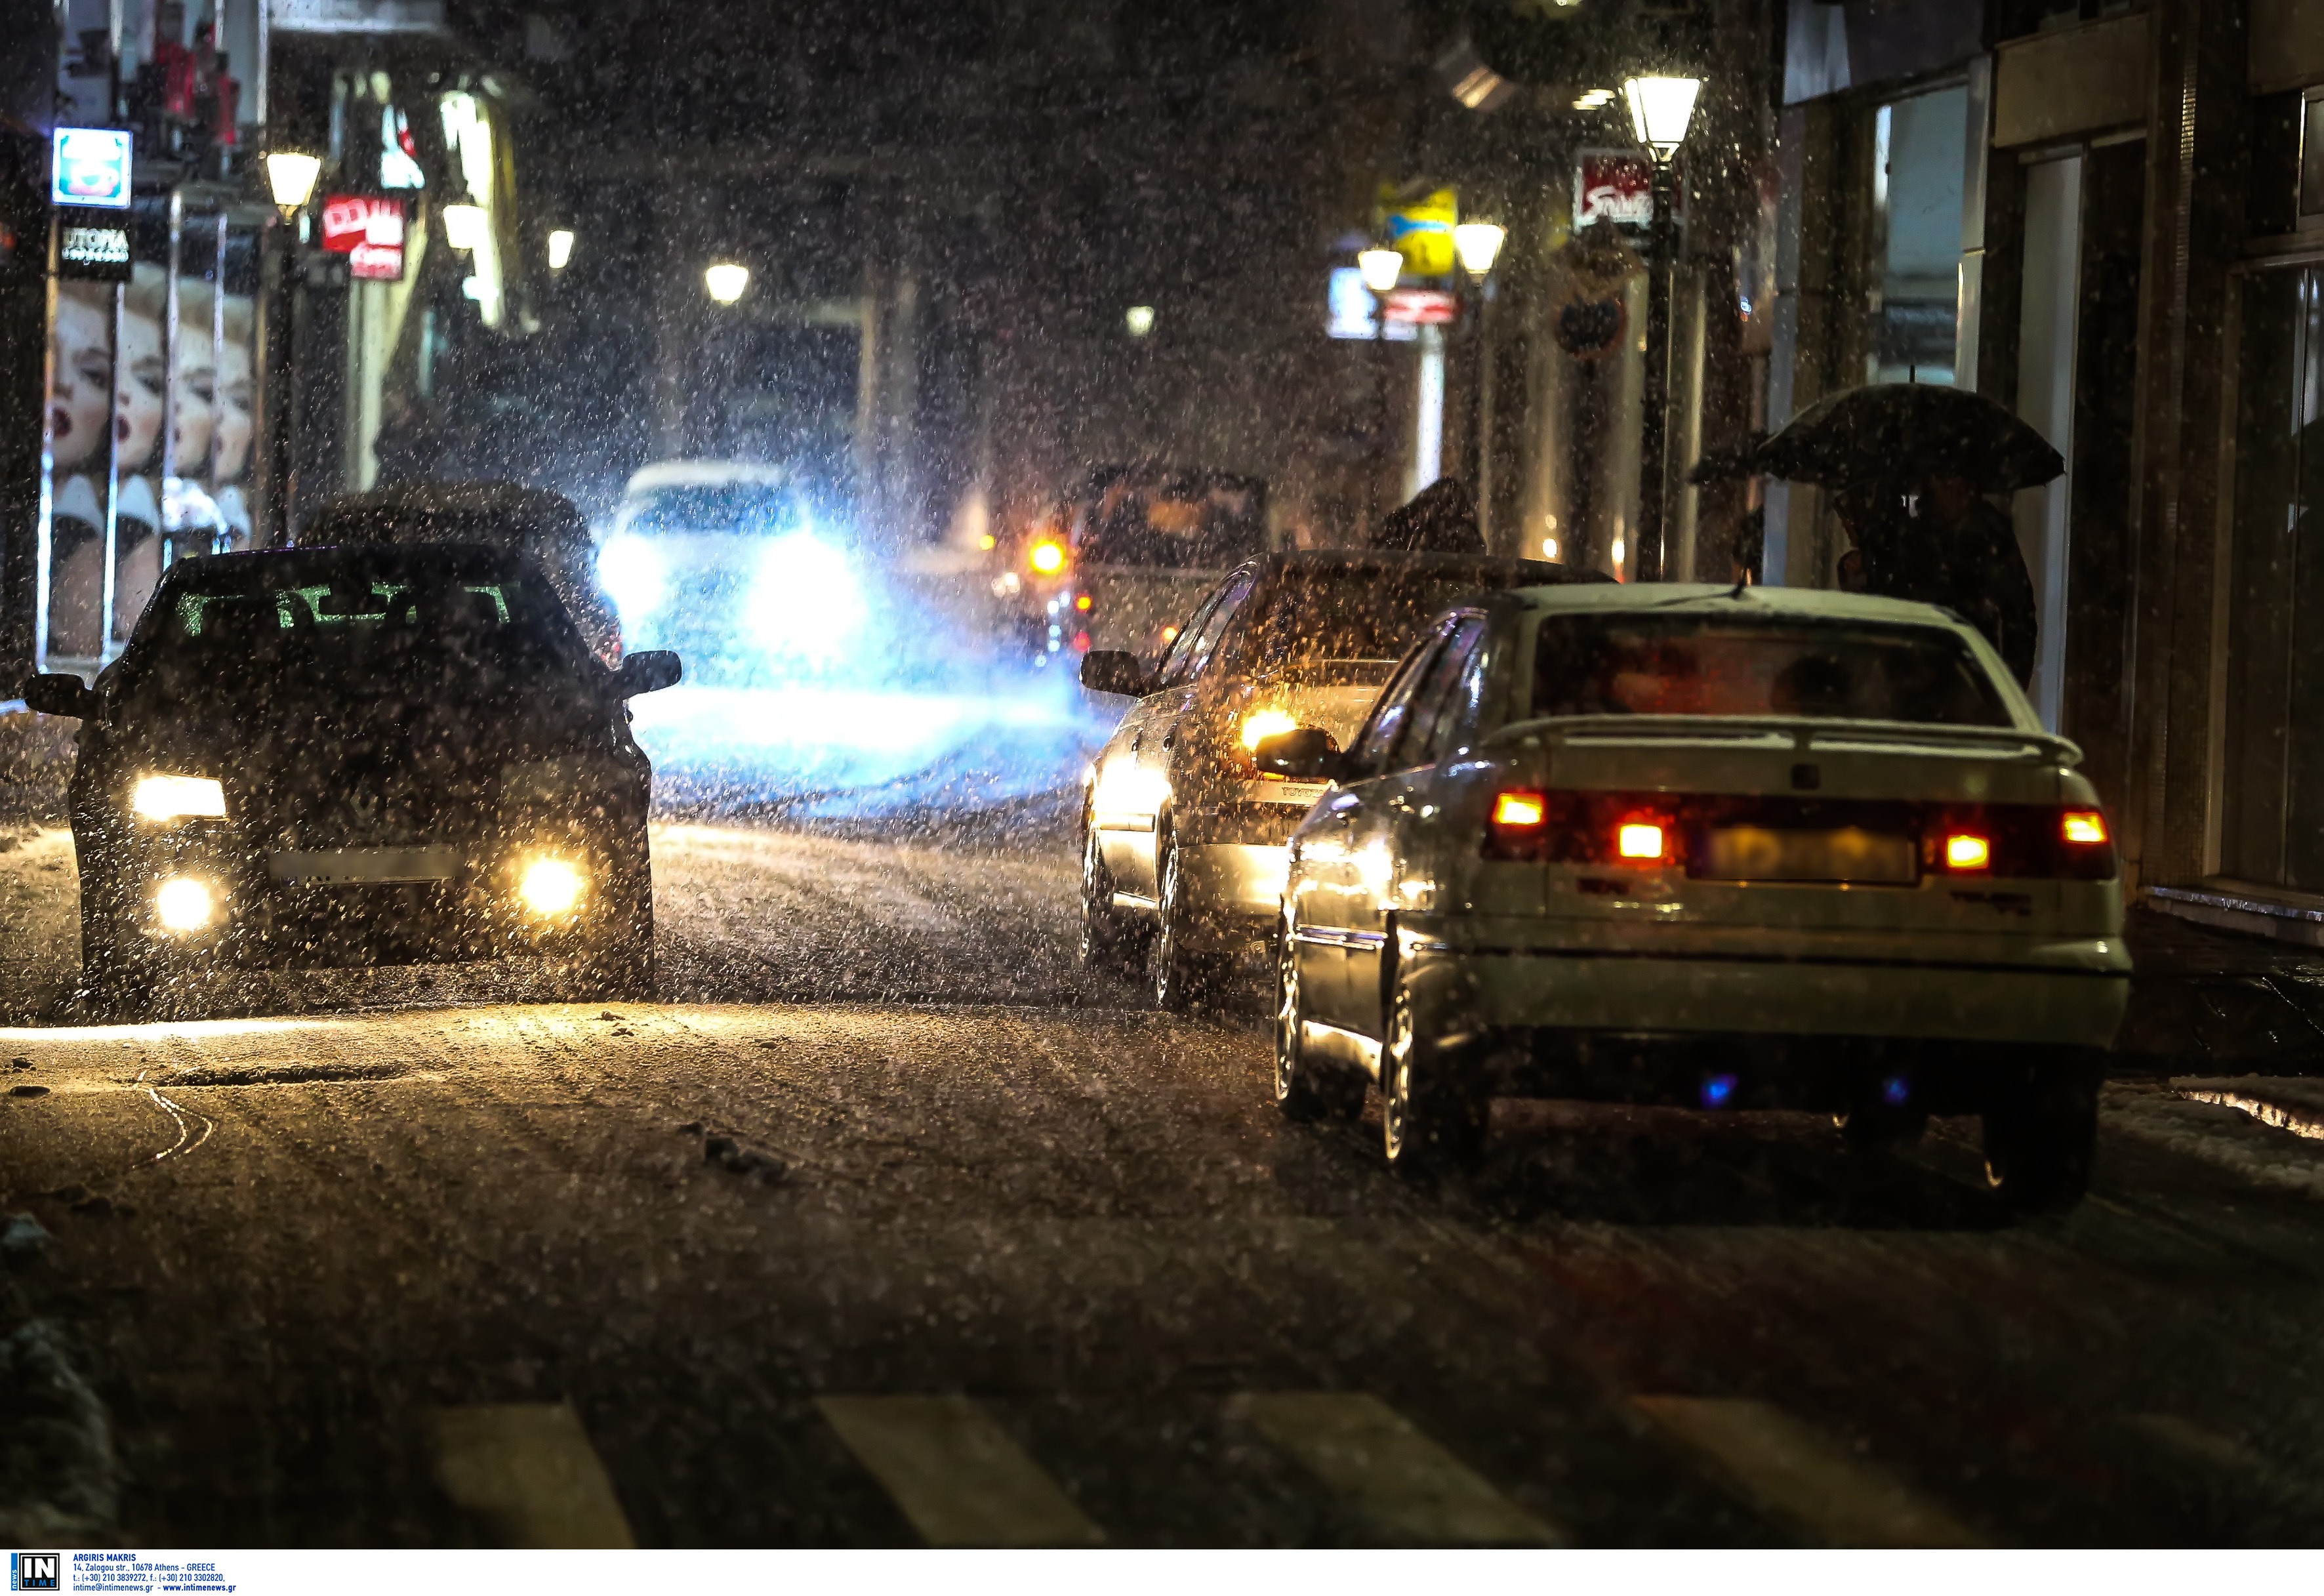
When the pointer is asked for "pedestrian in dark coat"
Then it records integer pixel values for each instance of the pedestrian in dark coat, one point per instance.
(1441, 519)
(1944, 544)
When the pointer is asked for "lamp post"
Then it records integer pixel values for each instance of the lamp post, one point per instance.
(290, 182)
(1479, 245)
(1660, 109)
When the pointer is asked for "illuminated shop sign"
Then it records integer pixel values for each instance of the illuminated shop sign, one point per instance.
(98, 253)
(368, 229)
(89, 166)
(1613, 186)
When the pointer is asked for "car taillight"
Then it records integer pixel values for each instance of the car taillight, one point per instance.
(1520, 811)
(2083, 827)
(1641, 840)
(1966, 851)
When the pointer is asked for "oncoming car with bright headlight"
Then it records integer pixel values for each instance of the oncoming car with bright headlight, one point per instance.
(725, 562)
(352, 756)
(1182, 835)
(1719, 848)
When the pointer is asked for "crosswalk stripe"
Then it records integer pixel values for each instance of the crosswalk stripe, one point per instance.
(957, 1475)
(1797, 1472)
(528, 1471)
(1407, 1487)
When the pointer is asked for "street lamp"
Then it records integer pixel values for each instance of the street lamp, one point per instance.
(560, 248)
(1381, 268)
(1479, 245)
(726, 281)
(290, 177)
(1661, 106)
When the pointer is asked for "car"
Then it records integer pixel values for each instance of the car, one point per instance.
(1183, 837)
(357, 755)
(725, 562)
(1707, 847)
(1124, 556)
(547, 526)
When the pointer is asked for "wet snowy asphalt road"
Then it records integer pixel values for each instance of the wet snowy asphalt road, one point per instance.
(886, 1225)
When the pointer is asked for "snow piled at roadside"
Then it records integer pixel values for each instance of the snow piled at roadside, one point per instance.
(2223, 1135)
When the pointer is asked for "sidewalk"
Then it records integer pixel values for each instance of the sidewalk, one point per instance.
(2213, 1003)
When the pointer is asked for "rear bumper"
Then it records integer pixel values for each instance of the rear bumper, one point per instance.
(1236, 889)
(1931, 1001)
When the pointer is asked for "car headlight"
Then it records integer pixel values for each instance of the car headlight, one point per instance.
(178, 798)
(807, 604)
(183, 903)
(1262, 724)
(551, 887)
(634, 575)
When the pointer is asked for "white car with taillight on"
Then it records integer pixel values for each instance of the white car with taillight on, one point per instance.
(1724, 848)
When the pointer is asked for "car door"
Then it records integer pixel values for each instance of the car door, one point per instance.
(1327, 893)
(1130, 853)
(1384, 823)
(1124, 797)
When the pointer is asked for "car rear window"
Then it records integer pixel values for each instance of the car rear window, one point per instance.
(1367, 613)
(1694, 664)
(369, 619)
(745, 508)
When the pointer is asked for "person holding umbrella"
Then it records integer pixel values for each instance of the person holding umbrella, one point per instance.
(1909, 466)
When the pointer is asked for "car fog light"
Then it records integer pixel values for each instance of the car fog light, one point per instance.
(183, 904)
(550, 886)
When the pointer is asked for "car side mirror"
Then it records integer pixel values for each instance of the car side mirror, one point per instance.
(1307, 754)
(56, 693)
(1115, 670)
(649, 670)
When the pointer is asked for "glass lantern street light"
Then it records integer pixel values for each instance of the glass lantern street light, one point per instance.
(726, 281)
(560, 248)
(1660, 109)
(290, 178)
(1479, 245)
(1381, 268)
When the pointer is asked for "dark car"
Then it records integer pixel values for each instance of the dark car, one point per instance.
(352, 756)
(498, 514)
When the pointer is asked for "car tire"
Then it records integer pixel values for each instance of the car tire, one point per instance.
(1182, 977)
(2040, 1143)
(1109, 937)
(620, 966)
(1430, 1115)
(1301, 1093)
(120, 980)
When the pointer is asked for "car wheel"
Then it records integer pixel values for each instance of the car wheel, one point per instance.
(620, 965)
(1429, 1115)
(1301, 1094)
(1182, 977)
(120, 977)
(1109, 938)
(2039, 1146)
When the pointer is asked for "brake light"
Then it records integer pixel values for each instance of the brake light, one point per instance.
(1639, 839)
(1520, 810)
(2084, 827)
(1965, 850)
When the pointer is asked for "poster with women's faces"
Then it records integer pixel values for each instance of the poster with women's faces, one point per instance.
(140, 401)
(80, 458)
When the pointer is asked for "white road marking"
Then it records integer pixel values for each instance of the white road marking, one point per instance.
(1797, 1472)
(528, 1471)
(1406, 1487)
(957, 1475)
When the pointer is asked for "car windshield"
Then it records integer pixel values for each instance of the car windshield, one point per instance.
(463, 621)
(1693, 664)
(741, 507)
(1366, 612)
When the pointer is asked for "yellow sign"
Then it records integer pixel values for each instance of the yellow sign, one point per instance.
(1420, 230)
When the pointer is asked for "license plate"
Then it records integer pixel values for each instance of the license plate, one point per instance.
(1851, 855)
(334, 867)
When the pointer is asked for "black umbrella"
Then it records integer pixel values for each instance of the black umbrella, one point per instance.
(1907, 432)
(1730, 463)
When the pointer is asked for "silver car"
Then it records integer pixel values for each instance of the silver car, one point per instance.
(1183, 836)
(1717, 847)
